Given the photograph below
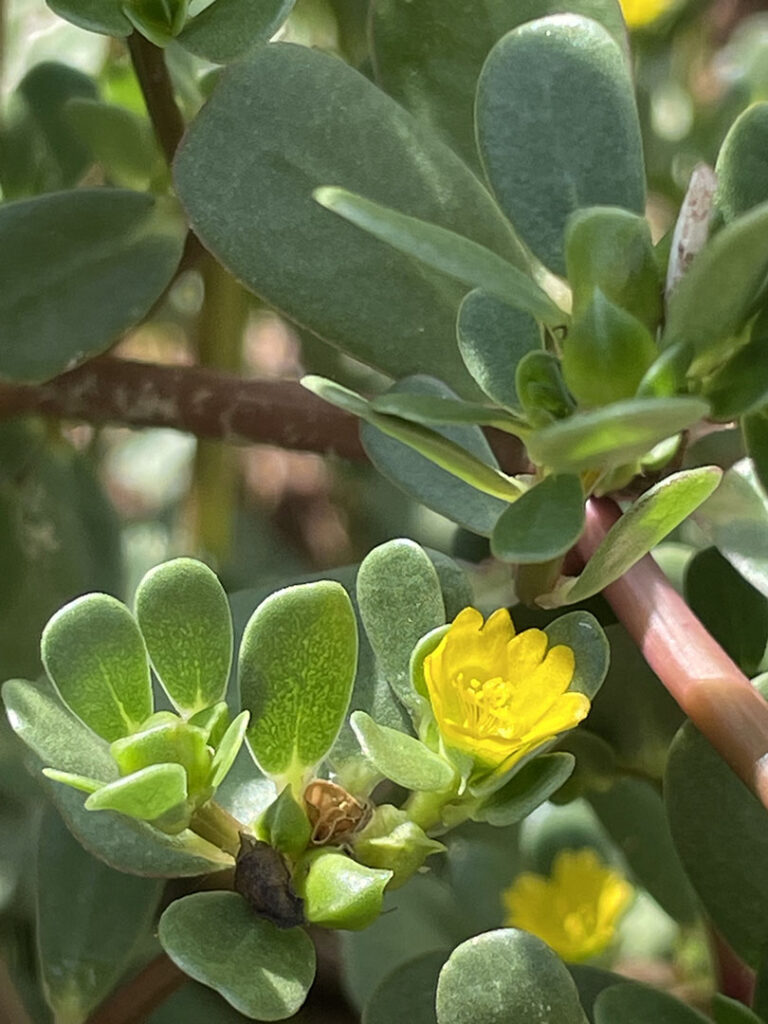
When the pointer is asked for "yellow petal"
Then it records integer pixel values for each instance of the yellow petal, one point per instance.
(525, 653)
(564, 714)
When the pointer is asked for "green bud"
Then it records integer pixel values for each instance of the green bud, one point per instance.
(172, 742)
(157, 20)
(338, 892)
(606, 353)
(392, 841)
(541, 390)
(284, 825)
(213, 721)
(611, 249)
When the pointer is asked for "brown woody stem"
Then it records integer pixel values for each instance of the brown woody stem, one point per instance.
(157, 90)
(135, 1000)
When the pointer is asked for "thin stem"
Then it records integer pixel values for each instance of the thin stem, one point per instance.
(705, 682)
(133, 1002)
(218, 826)
(157, 89)
(734, 978)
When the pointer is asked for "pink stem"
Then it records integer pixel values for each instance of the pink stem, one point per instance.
(709, 687)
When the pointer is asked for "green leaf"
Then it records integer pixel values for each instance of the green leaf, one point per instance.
(401, 758)
(610, 249)
(340, 893)
(407, 993)
(526, 790)
(146, 794)
(581, 631)
(540, 386)
(429, 410)
(228, 749)
(267, 137)
(399, 596)
(428, 55)
(90, 919)
(590, 981)
(94, 653)
(718, 827)
(105, 16)
(79, 782)
(420, 478)
(630, 1003)
(740, 385)
(645, 523)
(606, 353)
(263, 971)
(613, 435)
(493, 338)
(632, 813)
(716, 297)
(557, 128)
(755, 430)
(284, 825)
(445, 251)
(506, 975)
(729, 1011)
(56, 737)
(184, 616)
(297, 666)
(742, 177)
(70, 250)
(544, 523)
(121, 141)
(176, 741)
(732, 610)
(227, 29)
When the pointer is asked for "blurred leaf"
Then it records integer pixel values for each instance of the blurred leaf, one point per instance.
(632, 813)
(90, 919)
(740, 385)
(506, 975)
(590, 981)
(716, 297)
(121, 141)
(614, 434)
(184, 617)
(541, 389)
(94, 654)
(445, 251)
(493, 338)
(56, 737)
(297, 664)
(542, 524)
(407, 993)
(728, 1011)
(732, 610)
(428, 55)
(70, 250)
(526, 790)
(430, 410)
(266, 139)
(630, 1003)
(646, 522)
(105, 16)
(742, 177)
(401, 758)
(557, 128)
(195, 1004)
(581, 631)
(481, 861)
(338, 892)
(755, 430)
(422, 479)
(227, 29)
(265, 972)
(718, 827)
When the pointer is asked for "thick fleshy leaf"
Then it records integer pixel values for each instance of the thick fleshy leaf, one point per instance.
(581, 631)
(227, 29)
(429, 410)
(557, 128)
(613, 435)
(740, 385)
(56, 737)
(147, 794)
(184, 617)
(265, 972)
(733, 611)
(590, 981)
(105, 16)
(716, 297)
(526, 790)
(755, 430)
(340, 893)
(645, 523)
(70, 250)
(742, 176)
(541, 389)
(400, 600)
(493, 338)
(428, 55)
(630, 1003)
(297, 665)
(228, 748)
(544, 523)
(267, 137)
(167, 742)
(718, 827)
(401, 758)
(90, 919)
(506, 975)
(445, 251)
(729, 1011)
(94, 653)
(119, 140)
(422, 479)
(407, 993)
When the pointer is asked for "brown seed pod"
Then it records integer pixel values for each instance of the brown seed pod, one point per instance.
(262, 878)
(334, 814)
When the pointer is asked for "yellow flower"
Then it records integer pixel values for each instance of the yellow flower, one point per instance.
(576, 911)
(642, 12)
(498, 696)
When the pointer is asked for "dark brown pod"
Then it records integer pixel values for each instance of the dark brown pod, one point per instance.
(262, 878)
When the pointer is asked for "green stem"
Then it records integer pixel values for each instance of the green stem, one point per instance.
(213, 823)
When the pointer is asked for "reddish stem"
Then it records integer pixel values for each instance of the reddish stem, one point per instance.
(709, 687)
(734, 978)
(137, 998)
